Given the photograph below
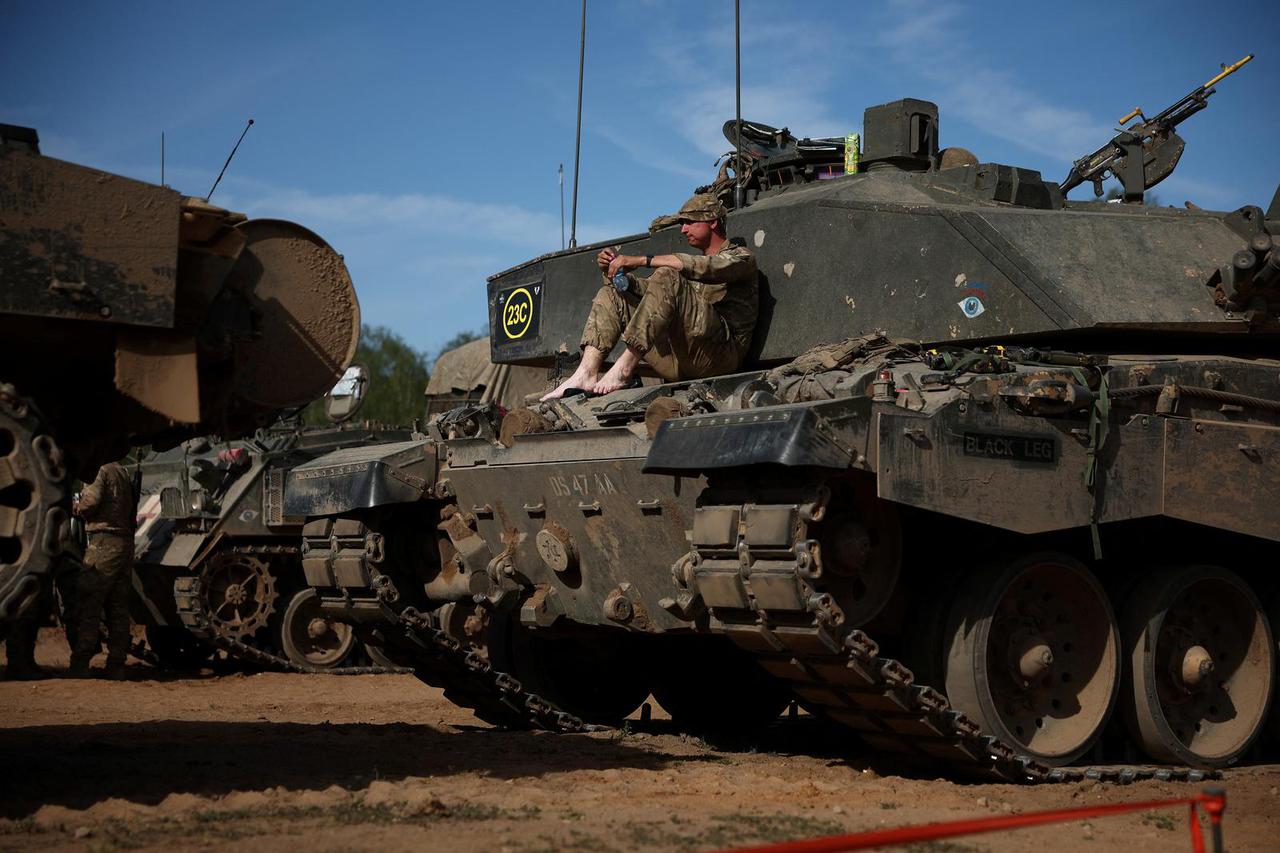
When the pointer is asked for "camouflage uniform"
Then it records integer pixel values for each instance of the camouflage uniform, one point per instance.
(108, 508)
(689, 324)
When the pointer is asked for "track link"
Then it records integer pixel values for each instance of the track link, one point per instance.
(756, 569)
(465, 674)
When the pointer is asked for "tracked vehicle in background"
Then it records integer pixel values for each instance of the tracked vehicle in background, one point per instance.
(132, 315)
(997, 490)
(218, 563)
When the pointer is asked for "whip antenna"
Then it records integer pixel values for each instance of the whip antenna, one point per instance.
(232, 154)
(738, 189)
(577, 143)
(561, 174)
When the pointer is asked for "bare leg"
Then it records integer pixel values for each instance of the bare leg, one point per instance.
(620, 374)
(586, 376)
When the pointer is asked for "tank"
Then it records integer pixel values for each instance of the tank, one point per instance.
(994, 490)
(132, 315)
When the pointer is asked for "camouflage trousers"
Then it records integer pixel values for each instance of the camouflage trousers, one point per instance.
(20, 640)
(667, 321)
(103, 585)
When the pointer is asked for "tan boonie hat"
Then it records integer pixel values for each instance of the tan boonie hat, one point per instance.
(703, 207)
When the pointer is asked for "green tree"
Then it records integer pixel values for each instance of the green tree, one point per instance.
(398, 376)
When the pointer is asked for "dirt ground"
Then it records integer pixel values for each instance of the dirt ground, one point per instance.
(328, 763)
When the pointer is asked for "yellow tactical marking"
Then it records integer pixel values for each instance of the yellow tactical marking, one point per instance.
(517, 314)
(1228, 69)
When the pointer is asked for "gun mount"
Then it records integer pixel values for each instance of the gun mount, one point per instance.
(1145, 153)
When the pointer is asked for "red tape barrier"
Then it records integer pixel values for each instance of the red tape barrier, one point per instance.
(1212, 800)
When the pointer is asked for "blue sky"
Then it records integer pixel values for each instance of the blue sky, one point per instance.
(422, 139)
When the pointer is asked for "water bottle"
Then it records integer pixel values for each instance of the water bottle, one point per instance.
(621, 282)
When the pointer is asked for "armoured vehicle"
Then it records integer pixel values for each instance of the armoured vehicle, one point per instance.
(1029, 527)
(132, 315)
(217, 560)
(218, 564)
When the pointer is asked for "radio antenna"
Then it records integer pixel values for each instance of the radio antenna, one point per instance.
(560, 173)
(232, 154)
(739, 190)
(577, 143)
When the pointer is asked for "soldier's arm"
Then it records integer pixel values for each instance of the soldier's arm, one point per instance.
(720, 268)
(91, 498)
(713, 269)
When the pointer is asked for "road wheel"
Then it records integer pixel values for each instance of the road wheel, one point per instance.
(1200, 666)
(312, 638)
(1034, 656)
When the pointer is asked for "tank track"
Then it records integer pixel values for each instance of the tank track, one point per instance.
(440, 659)
(776, 611)
(469, 680)
(195, 618)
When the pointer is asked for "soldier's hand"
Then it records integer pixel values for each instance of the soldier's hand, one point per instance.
(623, 263)
(604, 258)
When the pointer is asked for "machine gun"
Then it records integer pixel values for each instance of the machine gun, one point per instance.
(1145, 153)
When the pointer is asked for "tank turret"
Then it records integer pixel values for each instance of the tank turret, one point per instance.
(970, 253)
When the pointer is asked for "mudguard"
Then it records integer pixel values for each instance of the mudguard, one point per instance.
(785, 435)
(361, 477)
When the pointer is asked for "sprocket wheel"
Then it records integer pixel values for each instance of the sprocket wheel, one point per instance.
(239, 594)
(33, 495)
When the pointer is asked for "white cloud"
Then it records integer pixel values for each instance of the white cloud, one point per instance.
(650, 155)
(702, 113)
(932, 40)
(1176, 189)
(785, 66)
(422, 214)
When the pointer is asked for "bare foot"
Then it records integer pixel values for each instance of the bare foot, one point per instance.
(612, 381)
(582, 379)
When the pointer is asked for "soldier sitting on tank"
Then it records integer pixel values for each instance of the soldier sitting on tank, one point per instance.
(693, 317)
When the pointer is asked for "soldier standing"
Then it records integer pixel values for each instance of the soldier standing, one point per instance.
(693, 317)
(108, 507)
